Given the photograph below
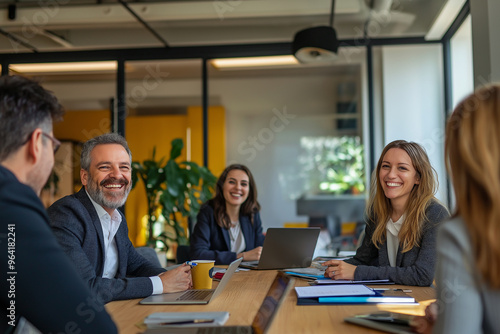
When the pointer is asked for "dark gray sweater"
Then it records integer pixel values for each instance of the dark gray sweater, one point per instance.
(415, 267)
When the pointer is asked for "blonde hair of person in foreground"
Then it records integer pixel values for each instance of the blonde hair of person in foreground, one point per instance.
(468, 270)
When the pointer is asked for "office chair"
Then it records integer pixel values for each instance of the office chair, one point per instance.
(183, 253)
(149, 254)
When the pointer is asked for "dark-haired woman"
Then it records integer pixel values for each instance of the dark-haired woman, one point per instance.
(228, 226)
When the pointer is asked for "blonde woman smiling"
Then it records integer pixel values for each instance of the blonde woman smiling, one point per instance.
(402, 219)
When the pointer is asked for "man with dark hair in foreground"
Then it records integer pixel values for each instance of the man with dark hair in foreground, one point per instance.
(39, 284)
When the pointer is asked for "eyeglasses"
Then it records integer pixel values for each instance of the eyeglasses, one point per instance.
(55, 143)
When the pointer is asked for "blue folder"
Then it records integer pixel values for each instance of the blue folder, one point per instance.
(389, 296)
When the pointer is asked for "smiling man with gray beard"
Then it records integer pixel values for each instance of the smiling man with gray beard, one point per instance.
(94, 233)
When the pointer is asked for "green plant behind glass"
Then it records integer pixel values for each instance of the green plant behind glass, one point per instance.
(335, 164)
(173, 188)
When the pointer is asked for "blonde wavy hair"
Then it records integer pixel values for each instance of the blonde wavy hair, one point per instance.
(472, 149)
(379, 207)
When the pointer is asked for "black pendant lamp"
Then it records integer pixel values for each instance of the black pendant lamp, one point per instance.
(316, 44)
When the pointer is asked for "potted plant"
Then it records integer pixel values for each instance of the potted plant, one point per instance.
(173, 190)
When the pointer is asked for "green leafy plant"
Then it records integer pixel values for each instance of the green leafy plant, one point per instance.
(172, 188)
(335, 164)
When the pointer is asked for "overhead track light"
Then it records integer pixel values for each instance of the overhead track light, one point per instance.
(253, 62)
(68, 67)
(316, 44)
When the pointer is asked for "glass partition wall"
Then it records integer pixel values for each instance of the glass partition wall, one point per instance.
(304, 131)
(462, 76)
(163, 99)
(300, 130)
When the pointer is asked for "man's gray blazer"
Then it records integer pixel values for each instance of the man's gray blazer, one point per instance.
(77, 227)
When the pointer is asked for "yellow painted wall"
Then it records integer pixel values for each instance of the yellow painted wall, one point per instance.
(217, 140)
(143, 133)
(216, 137)
(83, 125)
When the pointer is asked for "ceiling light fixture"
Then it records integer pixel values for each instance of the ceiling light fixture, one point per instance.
(444, 19)
(316, 44)
(90, 66)
(253, 62)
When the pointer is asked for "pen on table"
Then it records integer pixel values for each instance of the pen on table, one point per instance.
(385, 289)
(185, 322)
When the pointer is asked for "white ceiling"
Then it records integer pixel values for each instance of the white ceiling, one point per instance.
(65, 25)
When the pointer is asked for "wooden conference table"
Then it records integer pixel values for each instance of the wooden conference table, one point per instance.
(243, 296)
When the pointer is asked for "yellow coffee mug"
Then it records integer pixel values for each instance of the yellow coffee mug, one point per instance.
(201, 272)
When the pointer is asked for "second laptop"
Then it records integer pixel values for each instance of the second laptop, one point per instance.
(286, 248)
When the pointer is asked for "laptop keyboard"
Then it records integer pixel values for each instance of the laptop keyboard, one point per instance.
(225, 330)
(195, 295)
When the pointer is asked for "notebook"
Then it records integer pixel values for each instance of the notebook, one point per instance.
(186, 319)
(194, 296)
(286, 248)
(343, 290)
(261, 322)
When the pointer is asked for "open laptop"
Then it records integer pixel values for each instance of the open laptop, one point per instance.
(261, 322)
(194, 296)
(286, 248)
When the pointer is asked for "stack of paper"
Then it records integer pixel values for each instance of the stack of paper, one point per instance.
(185, 319)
